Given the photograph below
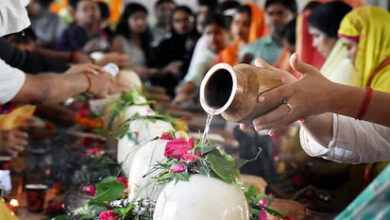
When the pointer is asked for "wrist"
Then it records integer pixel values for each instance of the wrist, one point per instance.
(89, 82)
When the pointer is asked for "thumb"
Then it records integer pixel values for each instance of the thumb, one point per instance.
(301, 67)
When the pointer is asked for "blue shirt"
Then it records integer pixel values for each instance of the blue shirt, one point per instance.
(264, 48)
(72, 38)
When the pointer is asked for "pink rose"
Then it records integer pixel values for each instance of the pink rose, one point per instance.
(263, 202)
(150, 112)
(263, 215)
(94, 150)
(178, 168)
(90, 189)
(108, 215)
(178, 147)
(166, 136)
(123, 180)
(189, 157)
(135, 133)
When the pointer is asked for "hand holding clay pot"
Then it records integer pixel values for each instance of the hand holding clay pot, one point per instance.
(311, 95)
(233, 91)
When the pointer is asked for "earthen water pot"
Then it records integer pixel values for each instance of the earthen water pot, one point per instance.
(233, 91)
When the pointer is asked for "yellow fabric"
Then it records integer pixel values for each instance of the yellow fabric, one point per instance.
(16, 117)
(5, 213)
(370, 24)
(337, 67)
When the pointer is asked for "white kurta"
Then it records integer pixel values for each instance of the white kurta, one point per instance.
(352, 142)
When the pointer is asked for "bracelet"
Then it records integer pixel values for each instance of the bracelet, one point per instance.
(72, 56)
(89, 82)
(365, 103)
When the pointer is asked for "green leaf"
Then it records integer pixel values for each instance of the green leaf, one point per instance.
(63, 217)
(108, 189)
(89, 211)
(272, 212)
(207, 147)
(223, 165)
(183, 176)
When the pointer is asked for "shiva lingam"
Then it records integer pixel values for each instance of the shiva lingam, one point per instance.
(233, 91)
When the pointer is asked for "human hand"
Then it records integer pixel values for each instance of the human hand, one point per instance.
(297, 99)
(13, 141)
(85, 68)
(182, 97)
(79, 57)
(122, 60)
(101, 85)
(173, 67)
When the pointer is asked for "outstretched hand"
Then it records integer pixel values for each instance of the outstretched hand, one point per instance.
(296, 99)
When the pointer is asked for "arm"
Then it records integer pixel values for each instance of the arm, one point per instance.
(116, 45)
(29, 62)
(51, 88)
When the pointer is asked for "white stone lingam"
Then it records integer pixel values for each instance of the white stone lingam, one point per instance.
(146, 130)
(201, 198)
(148, 155)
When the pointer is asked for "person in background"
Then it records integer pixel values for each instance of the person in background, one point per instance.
(278, 14)
(79, 35)
(289, 38)
(205, 7)
(214, 31)
(324, 22)
(247, 26)
(163, 12)
(105, 21)
(47, 26)
(133, 36)
(176, 51)
(201, 45)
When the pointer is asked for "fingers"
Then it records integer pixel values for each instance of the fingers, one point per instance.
(301, 67)
(261, 63)
(274, 97)
(275, 115)
(95, 69)
(285, 76)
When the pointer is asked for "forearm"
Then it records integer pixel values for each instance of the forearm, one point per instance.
(348, 101)
(62, 55)
(51, 88)
(320, 127)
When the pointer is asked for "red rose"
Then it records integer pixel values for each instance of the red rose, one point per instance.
(178, 168)
(122, 180)
(90, 189)
(166, 136)
(94, 150)
(108, 215)
(178, 147)
(189, 157)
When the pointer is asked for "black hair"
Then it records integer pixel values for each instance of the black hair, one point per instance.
(289, 31)
(104, 10)
(210, 4)
(160, 2)
(311, 5)
(215, 18)
(184, 8)
(327, 17)
(123, 26)
(44, 3)
(244, 9)
(226, 5)
(289, 4)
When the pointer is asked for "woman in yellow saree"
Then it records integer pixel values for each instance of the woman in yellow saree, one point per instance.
(247, 26)
(366, 34)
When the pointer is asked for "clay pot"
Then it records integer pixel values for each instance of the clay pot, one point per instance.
(233, 91)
